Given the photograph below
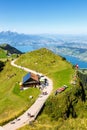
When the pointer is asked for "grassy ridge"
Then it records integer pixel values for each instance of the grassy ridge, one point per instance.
(48, 63)
(61, 72)
(8, 52)
(44, 61)
(70, 105)
(3, 53)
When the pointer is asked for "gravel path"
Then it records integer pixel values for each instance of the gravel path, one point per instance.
(33, 111)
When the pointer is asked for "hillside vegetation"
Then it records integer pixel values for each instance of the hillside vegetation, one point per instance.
(46, 124)
(13, 102)
(66, 108)
(3, 53)
(46, 62)
(60, 111)
(8, 52)
(10, 49)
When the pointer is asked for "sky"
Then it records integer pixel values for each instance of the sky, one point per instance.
(44, 16)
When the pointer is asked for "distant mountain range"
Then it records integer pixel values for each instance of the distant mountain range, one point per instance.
(61, 44)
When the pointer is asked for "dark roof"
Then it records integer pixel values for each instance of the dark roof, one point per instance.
(26, 77)
(30, 76)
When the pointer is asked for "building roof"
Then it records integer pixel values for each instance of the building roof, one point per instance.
(34, 76)
(26, 78)
(29, 76)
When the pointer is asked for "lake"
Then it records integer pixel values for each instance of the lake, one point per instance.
(75, 61)
(71, 59)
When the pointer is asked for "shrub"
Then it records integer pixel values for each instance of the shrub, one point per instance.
(63, 58)
(1, 65)
(66, 104)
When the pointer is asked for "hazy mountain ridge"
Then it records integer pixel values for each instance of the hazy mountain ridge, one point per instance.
(10, 49)
(61, 44)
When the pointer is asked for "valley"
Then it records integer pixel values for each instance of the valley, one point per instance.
(72, 45)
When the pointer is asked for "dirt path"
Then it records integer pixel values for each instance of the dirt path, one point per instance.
(34, 109)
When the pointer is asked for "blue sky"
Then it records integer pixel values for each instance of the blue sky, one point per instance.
(44, 16)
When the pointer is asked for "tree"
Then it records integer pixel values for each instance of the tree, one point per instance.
(1, 65)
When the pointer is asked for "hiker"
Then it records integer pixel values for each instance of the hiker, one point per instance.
(28, 114)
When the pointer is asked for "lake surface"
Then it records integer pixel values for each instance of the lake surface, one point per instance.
(25, 48)
(71, 59)
(75, 61)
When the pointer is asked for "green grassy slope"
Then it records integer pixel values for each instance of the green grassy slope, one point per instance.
(10, 49)
(13, 101)
(69, 103)
(44, 61)
(8, 52)
(3, 54)
(49, 64)
(46, 124)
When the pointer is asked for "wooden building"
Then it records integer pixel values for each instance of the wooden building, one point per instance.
(30, 79)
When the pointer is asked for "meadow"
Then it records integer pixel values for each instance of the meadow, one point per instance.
(51, 65)
(69, 103)
(64, 111)
(13, 101)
